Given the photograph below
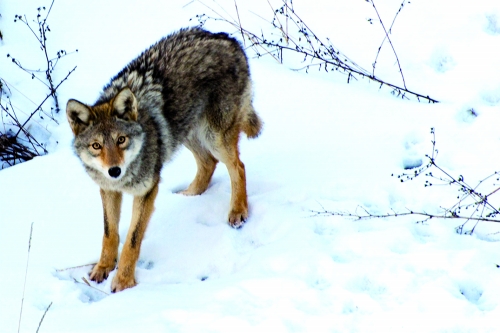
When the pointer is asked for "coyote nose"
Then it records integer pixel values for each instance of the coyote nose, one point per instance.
(114, 172)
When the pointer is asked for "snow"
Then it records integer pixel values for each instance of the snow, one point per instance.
(325, 145)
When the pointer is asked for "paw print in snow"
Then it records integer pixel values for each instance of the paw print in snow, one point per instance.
(492, 24)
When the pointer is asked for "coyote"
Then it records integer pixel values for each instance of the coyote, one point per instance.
(192, 87)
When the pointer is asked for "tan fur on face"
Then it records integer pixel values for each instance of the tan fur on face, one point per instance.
(111, 154)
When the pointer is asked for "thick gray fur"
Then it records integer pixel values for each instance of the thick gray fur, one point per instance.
(190, 81)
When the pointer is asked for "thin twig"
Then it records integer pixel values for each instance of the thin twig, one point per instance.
(25, 278)
(369, 215)
(390, 42)
(385, 36)
(495, 191)
(74, 267)
(87, 283)
(40, 106)
(9, 85)
(41, 320)
(239, 21)
(233, 23)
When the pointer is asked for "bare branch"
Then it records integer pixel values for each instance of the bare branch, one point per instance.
(318, 52)
(387, 32)
(368, 215)
(481, 210)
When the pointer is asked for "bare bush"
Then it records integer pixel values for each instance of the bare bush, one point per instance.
(472, 204)
(17, 142)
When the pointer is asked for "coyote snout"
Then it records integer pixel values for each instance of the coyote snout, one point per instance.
(193, 88)
(115, 172)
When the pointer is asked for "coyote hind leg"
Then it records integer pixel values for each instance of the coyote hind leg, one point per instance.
(205, 163)
(229, 155)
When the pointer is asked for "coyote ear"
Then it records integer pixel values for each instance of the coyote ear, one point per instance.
(125, 105)
(79, 116)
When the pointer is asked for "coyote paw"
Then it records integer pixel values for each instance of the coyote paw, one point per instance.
(100, 273)
(120, 283)
(189, 193)
(237, 219)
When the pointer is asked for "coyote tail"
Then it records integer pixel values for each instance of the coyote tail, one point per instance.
(252, 124)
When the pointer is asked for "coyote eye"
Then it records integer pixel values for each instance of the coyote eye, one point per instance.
(96, 146)
(121, 140)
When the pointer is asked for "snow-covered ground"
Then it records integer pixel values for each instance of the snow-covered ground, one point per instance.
(326, 144)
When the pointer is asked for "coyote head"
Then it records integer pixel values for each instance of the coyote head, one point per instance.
(107, 136)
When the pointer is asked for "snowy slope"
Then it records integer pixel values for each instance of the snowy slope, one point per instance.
(325, 144)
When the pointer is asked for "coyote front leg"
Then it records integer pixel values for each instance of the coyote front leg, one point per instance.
(111, 205)
(142, 209)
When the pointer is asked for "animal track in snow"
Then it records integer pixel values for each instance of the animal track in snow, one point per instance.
(493, 24)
